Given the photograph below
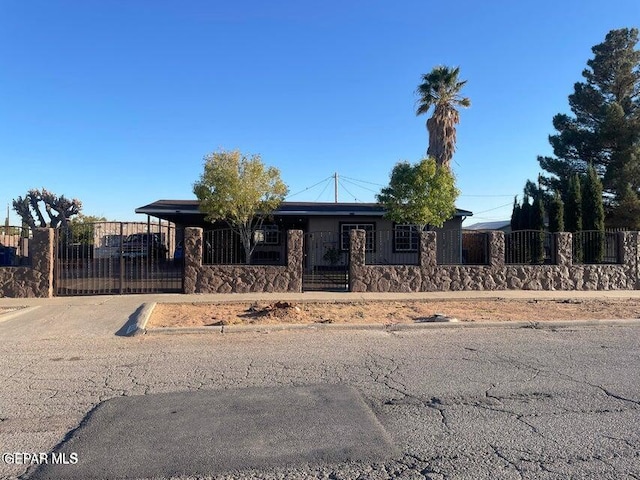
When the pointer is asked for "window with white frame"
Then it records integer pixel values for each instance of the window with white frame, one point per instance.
(405, 238)
(267, 235)
(369, 229)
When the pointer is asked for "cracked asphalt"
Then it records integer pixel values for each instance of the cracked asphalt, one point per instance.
(482, 403)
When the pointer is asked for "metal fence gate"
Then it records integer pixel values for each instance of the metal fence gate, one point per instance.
(326, 262)
(118, 258)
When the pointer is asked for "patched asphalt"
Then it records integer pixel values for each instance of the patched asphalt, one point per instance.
(220, 431)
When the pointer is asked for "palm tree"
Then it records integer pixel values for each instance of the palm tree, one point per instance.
(441, 89)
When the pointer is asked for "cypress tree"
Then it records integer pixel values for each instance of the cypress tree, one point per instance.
(525, 214)
(573, 205)
(556, 213)
(537, 223)
(593, 216)
(515, 215)
(573, 215)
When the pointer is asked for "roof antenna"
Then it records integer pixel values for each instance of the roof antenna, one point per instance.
(335, 186)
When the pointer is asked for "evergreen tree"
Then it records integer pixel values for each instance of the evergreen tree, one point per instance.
(515, 215)
(604, 130)
(525, 214)
(573, 205)
(593, 217)
(537, 223)
(556, 213)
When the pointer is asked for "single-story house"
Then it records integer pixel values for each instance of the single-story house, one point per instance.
(325, 225)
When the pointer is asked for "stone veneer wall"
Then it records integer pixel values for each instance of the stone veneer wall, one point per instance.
(36, 280)
(199, 278)
(429, 276)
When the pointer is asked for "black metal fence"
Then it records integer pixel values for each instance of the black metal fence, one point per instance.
(116, 258)
(326, 264)
(14, 246)
(393, 247)
(530, 247)
(224, 247)
(462, 247)
(595, 247)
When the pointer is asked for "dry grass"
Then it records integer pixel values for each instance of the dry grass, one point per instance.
(473, 310)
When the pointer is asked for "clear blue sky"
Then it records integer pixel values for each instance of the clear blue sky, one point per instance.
(115, 102)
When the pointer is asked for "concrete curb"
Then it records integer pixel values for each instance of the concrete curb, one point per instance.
(16, 313)
(386, 327)
(138, 322)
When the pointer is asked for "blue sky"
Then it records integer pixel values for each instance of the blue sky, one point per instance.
(115, 102)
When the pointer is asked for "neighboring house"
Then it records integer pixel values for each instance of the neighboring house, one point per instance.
(329, 221)
(502, 226)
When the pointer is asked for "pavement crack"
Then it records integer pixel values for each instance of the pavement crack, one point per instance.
(506, 459)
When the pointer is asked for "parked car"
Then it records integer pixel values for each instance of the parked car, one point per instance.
(144, 245)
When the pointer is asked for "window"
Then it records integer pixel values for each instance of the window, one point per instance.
(405, 238)
(369, 228)
(267, 235)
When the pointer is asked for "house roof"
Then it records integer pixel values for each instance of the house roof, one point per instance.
(499, 225)
(173, 209)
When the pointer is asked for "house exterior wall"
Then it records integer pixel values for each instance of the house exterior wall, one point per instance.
(37, 279)
(383, 244)
(430, 276)
(199, 278)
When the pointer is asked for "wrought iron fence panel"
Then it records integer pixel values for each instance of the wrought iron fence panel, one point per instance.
(393, 247)
(530, 247)
(117, 257)
(460, 247)
(595, 247)
(224, 247)
(14, 246)
(326, 263)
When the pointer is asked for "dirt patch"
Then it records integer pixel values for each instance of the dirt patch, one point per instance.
(472, 310)
(9, 309)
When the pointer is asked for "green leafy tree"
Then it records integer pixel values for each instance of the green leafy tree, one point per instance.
(422, 194)
(604, 130)
(82, 228)
(441, 89)
(241, 191)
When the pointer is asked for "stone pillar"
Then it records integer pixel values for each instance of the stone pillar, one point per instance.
(295, 255)
(629, 253)
(427, 252)
(357, 245)
(495, 241)
(42, 248)
(564, 250)
(192, 246)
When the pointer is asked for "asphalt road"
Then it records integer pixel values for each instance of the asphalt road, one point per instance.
(483, 403)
